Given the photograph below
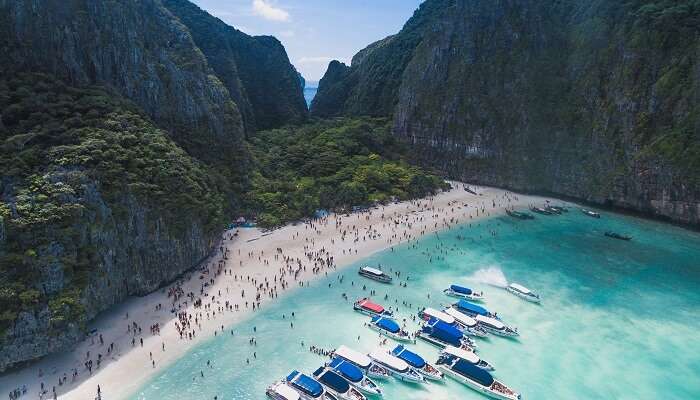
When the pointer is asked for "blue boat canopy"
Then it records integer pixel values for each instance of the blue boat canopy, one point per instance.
(410, 357)
(471, 308)
(347, 370)
(305, 383)
(445, 332)
(387, 324)
(332, 380)
(473, 372)
(460, 289)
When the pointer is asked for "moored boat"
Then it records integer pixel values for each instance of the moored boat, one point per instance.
(375, 274)
(442, 334)
(307, 387)
(492, 325)
(553, 210)
(590, 213)
(281, 391)
(559, 209)
(520, 214)
(396, 366)
(428, 312)
(476, 378)
(462, 292)
(361, 361)
(616, 235)
(540, 210)
(468, 324)
(367, 307)
(523, 292)
(468, 356)
(472, 310)
(355, 376)
(416, 361)
(390, 328)
(337, 385)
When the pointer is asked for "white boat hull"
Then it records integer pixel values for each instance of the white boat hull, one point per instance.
(367, 386)
(476, 386)
(439, 344)
(473, 296)
(431, 373)
(523, 296)
(501, 332)
(377, 372)
(400, 338)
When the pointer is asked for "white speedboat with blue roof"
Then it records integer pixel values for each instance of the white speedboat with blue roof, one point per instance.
(337, 385)
(476, 378)
(468, 356)
(463, 292)
(468, 324)
(523, 292)
(389, 327)
(282, 391)
(495, 326)
(307, 387)
(355, 376)
(442, 334)
(361, 361)
(472, 310)
(375, 274)
(417, 362)
(396, 366)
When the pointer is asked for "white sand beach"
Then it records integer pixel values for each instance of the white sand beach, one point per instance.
(256, 264)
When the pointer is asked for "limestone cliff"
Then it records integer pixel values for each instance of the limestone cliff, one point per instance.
(589, 99)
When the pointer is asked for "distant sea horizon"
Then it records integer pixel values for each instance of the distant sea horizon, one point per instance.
(310, 91)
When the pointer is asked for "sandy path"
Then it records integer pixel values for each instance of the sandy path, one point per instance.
(251, 256)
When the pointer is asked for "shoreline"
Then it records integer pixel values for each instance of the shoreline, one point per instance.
(252, 257)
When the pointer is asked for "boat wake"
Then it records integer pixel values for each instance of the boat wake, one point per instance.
(491, 276)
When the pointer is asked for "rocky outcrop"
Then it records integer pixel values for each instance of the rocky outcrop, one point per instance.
(587, 99)
(255, 69)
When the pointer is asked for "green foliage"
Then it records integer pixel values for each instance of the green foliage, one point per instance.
(330, 164)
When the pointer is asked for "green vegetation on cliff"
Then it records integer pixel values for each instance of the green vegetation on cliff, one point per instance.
(331, 164)
(70, 152)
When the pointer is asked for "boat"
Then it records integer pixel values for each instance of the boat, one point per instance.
(615, 235)
(355, 376)
(396, 366)
(520, 215)
(361, 361)
(374, 274)
(463, 293)
(468, 324)
(468, 356)
(442, 334)
(590, 213)
(427, 313)
(390, 328)
(492, 325)
(367, 307)
(472, 310)
(540, 210)
(554, 210)
(523, 292)
(476, 378)
(416, 361)
(337, 385)
(307, 387)
(559, 209)
(281, 391)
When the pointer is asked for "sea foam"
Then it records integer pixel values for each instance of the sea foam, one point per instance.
(492, 275)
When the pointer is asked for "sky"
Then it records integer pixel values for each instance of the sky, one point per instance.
(314, 32)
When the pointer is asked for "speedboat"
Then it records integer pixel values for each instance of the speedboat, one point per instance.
(468, 324)
(375, 274)
(492, 325)
(472, 310)
(553, 210)
(427, 313)
(416, 361)
(476, 378)
(616, 235)
(367, 307)
(337, 385)
(468, 356)
(281, 391)
(523, 292)
(590, 213)
(540, 210)
(463, 293)
(396, 366)
(558, 209)
(389, 327)
(361, 361)
(442, 334)
(519, 214)
(354, 375)
(307, 387)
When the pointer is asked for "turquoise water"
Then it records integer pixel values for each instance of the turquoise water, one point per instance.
(618, 320)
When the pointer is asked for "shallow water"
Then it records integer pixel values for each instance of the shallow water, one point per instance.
(618, 320)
